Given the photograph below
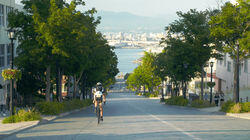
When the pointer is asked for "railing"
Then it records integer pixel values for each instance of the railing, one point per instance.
(242, 100)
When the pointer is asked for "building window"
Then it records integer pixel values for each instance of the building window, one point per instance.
(229, 66)
(240, 69)
(225, 60)
(8, 9)
(1, 15)
(8, 54)
(2, 55)
(246, 66)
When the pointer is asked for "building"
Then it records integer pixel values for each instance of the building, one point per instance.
(5, 53)
(223, 76)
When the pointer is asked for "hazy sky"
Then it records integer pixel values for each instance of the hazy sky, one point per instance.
(150, 7)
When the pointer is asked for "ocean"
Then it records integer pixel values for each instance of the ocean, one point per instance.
(126, 58)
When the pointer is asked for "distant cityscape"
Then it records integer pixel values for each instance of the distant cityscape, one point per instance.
(135, 40)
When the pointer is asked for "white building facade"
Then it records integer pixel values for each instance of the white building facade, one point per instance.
(5, 52)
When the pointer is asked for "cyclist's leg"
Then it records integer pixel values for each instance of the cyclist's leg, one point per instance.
(104, 98)
(95, 103)
(101, 110)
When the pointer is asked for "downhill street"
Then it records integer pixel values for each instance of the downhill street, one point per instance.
(128, 117)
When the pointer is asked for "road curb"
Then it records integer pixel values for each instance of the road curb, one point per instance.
(239, 115)
(235, 115)
(44, 120)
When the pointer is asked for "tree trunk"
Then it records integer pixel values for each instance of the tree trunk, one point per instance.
(236, 77)
(202, 81)
(83, 87)
(58, 85)
(74, 87)
(185, 90)
(68, 86)
(48, 72)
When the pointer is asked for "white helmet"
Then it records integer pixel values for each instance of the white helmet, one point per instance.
(99, 84)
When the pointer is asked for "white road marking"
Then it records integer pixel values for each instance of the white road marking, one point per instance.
(169, 124)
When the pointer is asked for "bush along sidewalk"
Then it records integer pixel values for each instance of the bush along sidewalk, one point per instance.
(232, 107)
(56, 108)
(180, 101)
(46, 108)
(201, 104)
(23, 115)
(148, 95)
(177, 100)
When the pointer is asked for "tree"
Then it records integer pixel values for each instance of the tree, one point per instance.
(189, 46)
(32, 57)
(144, 74)
(55, 40)
(230, 27)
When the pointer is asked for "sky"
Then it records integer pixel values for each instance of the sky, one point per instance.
(152, 8)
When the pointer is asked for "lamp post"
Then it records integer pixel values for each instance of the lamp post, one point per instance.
(211, 65)
(185, 85)
(11, 35)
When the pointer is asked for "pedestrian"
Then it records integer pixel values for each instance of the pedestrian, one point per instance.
(206, 96)
(216, 98)
(221, 98)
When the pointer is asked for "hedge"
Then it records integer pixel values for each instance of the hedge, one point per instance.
(201, 104)
(232, 107)
(55, 108)
(177, 100)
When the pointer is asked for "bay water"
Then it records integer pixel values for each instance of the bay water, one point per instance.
(126, 58)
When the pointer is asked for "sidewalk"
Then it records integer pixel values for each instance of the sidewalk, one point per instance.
(8, 129)
(235, 115)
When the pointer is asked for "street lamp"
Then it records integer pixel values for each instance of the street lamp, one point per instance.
(11, 35)
(185, 85)
(211, 65)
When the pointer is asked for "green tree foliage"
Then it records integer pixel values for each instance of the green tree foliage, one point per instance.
(56, 39)
(144, 74)
(230, 27)
(189, 47)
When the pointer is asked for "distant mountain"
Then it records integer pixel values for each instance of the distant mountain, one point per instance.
(127, 22)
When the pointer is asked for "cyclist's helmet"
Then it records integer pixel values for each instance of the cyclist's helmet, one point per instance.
(99, 86)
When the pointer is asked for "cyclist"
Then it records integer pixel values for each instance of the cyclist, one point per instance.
(98, 95)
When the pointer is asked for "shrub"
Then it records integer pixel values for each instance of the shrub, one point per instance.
(227, 106)
(153, 95)
(201, 104)
(236, 108)
(177, 100)
(23, 115)
(55, 108)
(231, 107)
(245, 107)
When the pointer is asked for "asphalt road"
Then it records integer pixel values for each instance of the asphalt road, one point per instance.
(129, 117)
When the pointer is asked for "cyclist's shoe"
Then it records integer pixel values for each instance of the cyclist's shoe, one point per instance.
(102, 118)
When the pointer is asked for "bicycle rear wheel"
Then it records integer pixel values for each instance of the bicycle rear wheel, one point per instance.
(98, 115)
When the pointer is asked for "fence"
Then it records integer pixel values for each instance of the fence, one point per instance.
(242, 100)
